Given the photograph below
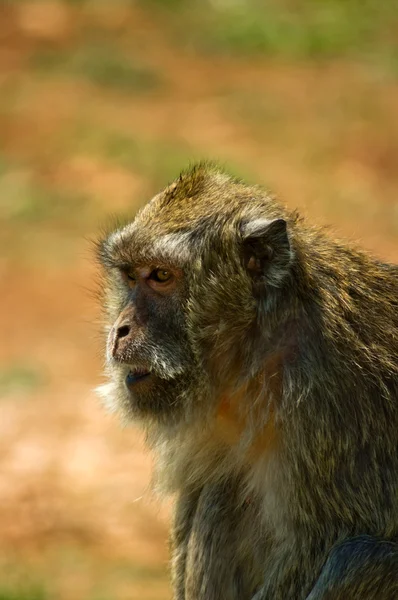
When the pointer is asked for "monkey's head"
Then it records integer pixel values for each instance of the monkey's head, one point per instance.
(193, 287)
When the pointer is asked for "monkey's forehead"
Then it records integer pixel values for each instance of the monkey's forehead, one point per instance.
(155, 235)
(135, 245)
(186, 217)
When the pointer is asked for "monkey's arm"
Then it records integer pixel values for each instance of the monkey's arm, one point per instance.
(184, 514)
(361, 568)
(211, 570)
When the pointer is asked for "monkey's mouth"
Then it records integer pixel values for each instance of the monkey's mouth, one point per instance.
(135, 376)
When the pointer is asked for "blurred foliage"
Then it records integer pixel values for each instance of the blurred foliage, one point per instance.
(22, 592)
(19, 379)
(299, 29)
(100, 63)
(26, 198)
(294, 29)
(109, 577)
(159, 161)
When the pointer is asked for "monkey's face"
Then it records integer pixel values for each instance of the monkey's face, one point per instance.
(154, 373)
(182, 307)
(150, 362)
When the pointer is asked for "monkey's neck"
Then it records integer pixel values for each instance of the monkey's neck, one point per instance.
(241, 432)
(246, 417)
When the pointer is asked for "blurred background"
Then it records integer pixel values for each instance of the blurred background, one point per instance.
(101, 104)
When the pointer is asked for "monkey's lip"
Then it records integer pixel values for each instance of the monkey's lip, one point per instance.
(136, 375)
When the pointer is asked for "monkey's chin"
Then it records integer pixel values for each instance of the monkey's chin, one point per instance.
(150, 398)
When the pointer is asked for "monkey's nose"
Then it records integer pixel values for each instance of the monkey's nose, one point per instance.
(122, 332)
(119, 340)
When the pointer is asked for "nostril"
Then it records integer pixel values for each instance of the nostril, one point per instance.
(122, 331)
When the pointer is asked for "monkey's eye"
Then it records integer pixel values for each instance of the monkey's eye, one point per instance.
(130, 277)
(160, 275)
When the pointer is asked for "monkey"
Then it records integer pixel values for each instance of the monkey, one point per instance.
(259, 355)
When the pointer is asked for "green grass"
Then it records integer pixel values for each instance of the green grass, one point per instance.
(316, 30)
(18, 379)
(159, 161)
(99, 578)
(22, 592)
(307, 29)
(27, 199)
(101, 63)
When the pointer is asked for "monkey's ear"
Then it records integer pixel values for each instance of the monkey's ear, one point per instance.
(267, 253)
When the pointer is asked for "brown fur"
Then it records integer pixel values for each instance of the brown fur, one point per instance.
(272, 399)
(233, 413)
